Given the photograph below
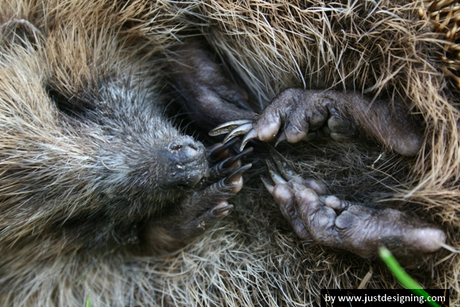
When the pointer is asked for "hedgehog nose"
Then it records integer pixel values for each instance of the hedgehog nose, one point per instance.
(186, 151)
(187, 163)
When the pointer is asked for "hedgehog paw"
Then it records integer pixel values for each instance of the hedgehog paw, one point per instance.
(339, 224)
(208, 204)
(302, 115)
(294, 115)
(203, 208)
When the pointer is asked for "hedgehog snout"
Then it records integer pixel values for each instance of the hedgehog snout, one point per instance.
(187, 162)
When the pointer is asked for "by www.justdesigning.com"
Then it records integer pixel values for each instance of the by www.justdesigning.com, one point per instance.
(401, 299)
(336, 297)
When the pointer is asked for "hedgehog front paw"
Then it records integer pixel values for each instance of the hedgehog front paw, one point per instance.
(208, 205)
(203, 208)
(294, 115)
(339, 224)
(301, 115)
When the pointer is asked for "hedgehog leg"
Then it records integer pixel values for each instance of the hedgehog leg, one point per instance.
(208, 96)
(301, 115)
(361, 230)
(356, 228)
(204, 207)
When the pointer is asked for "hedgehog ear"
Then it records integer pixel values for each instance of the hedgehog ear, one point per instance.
(20, 32)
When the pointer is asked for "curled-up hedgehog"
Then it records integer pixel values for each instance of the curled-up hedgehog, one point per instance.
(97, 187)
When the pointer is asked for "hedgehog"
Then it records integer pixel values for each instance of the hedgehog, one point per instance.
(84, 76)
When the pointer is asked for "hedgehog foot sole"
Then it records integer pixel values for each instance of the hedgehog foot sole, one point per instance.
(339, 224)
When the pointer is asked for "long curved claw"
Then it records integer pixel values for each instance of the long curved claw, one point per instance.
(239, 156)
(237, 173)
(281, 173)
(273, 172)
(217, 152)
(227, 164)
(267, 184)
(281, 167)
(252, 134)
(281, 137)
(229, 126)
(240, 130)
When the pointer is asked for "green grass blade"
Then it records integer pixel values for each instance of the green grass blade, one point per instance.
(402, 276)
